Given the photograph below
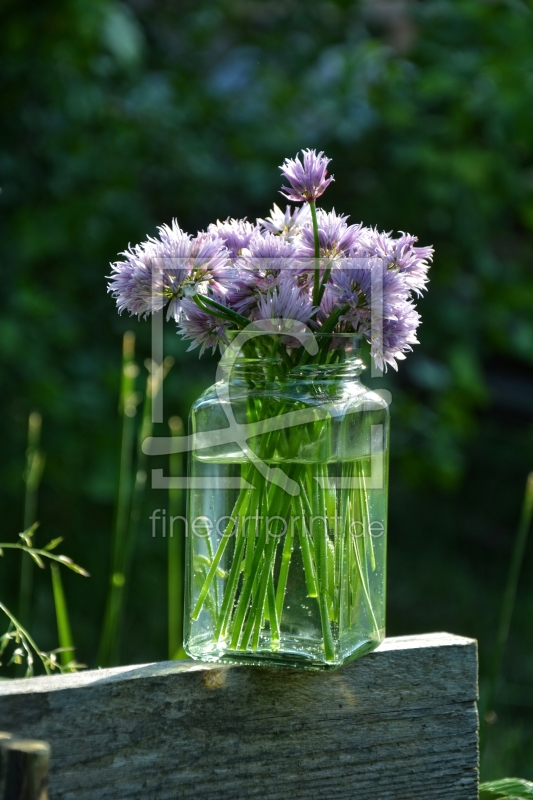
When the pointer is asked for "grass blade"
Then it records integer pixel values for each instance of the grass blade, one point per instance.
(131, 488)
(506, 789)
(107, 651)
(509, 597)
(154, 383)
(63, 622)
(32, 478)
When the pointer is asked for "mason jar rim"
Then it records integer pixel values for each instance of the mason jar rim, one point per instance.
(311, 334)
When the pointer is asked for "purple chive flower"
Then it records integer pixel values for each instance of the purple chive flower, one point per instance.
(398, 334)
(135, 283)
(344, 291)
(288, 225)
(335, 236)
(267, 254)
(369, 278)
(308, 179)
(345, 285)
(285, 301)
(203, 329)
(412, 261)
(166, 269)
(377, 304)
(235, 234)
(258, 270)
(400, 254)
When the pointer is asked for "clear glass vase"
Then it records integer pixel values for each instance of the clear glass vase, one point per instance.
(286, 513)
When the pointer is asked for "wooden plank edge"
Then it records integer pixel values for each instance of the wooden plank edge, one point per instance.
(52, 683)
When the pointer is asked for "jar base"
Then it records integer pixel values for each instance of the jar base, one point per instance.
(295, 653)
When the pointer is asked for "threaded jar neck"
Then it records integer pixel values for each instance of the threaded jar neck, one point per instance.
(327, 357)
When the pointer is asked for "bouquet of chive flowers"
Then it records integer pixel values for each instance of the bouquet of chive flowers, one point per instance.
(286, 519)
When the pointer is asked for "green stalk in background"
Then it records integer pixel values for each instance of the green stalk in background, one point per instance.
(32, 477)
(508, 602)
(154, 382)
(131, 490)
(176, 553)
(63, 623)
(128, 403)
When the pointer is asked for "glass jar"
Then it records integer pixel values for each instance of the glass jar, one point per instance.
(286, 512)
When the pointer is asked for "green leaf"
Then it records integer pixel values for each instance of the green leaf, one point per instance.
(506, 789)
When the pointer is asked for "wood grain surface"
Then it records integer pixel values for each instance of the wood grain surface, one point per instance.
(398, 724)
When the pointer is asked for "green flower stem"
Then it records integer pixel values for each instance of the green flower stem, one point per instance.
(348, 566)
(209, 600)
(203, 300)
(304, 497)
(255, 588)
(253, 533)
(278, 502)
(342, 543)
(333, 320)
(316, 285)
(247, 591)
(307, 558)
(215, 561)
(243, 497)
(231, 588)
(327, 273)
(331, 557)
(329, 644)
(257, 610)
(361, 524)
(321, 547)
(328, 327)
(363, 500)
(275, 632)
(329, 499)
(339, 555)
(363, 580)
(320, 535)
(214, 583)
(284, 568)
(250, 548)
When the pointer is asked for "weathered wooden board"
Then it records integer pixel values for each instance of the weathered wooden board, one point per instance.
(398, 724)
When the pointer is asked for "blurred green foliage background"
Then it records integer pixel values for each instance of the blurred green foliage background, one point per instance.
(118, 116)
